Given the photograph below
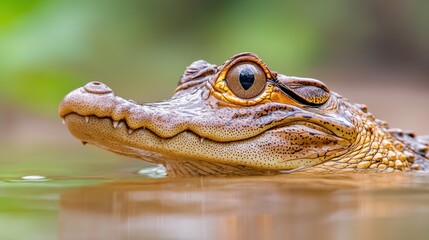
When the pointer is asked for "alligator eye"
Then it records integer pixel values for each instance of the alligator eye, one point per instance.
(246, 80)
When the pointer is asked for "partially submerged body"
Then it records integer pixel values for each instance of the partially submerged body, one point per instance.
(243, 119)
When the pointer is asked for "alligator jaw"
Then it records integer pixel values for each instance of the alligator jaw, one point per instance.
(185, 154)
(146, 145)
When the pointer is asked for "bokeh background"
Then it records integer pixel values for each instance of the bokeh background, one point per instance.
(371, 51)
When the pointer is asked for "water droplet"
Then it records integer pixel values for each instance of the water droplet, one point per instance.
(34, 178)
(158, 171)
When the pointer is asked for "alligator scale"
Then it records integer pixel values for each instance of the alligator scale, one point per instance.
(241, 118)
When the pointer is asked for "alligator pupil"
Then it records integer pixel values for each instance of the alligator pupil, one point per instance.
(247, 78)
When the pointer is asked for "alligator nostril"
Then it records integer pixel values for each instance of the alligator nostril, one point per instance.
(97, 88)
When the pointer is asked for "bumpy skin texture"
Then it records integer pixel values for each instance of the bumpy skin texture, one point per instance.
(243, 119)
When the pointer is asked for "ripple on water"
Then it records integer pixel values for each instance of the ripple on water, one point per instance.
(29, 178)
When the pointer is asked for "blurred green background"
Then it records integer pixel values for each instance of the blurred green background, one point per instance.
(374, 52)
(370, 51)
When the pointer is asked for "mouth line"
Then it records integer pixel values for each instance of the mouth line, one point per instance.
(117, 124)
(312, 126)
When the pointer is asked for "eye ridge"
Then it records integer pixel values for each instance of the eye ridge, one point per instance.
(294, 95)
(247, 78)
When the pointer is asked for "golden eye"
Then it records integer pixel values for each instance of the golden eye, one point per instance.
(246, 80)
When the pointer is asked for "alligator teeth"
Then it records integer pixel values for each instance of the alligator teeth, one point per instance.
(202, 139)
(64, 121)
(87, 119)
(130, 131)
(115, 124)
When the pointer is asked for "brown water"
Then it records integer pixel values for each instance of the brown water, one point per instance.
(378, 206)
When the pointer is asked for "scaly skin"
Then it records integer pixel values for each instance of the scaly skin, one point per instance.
(243, 119)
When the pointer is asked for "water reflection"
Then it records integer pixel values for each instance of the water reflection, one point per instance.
(377, 206)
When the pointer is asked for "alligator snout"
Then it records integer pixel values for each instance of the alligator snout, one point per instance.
(96, 99)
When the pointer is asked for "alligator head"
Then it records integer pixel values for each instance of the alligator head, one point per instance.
(240, 118)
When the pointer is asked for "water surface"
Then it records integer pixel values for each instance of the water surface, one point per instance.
(353, 206)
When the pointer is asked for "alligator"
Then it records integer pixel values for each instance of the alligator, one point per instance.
(241, 118)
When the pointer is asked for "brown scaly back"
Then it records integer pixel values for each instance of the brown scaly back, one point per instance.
(417, 145)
